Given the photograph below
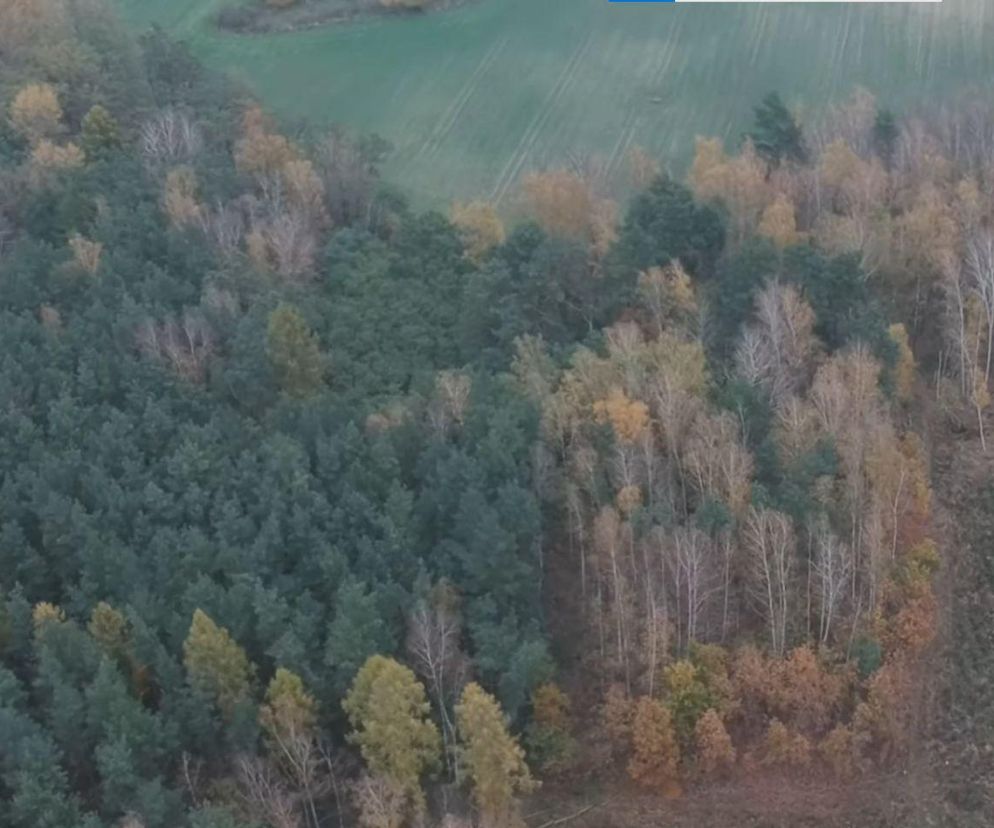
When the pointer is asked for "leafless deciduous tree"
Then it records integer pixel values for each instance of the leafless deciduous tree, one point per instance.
(770, 541)
(292, 243)
(169, 137)
(963, 131)
(265, 793)
(434, 632)
(450, 401)
(350, 179)
(777, 350)
(381, 803)
(224, 227)
(719, 464)
(615, 594)
(979, 266)
(850, 121)
(846, 396)
(695, 575)
(185, 344)
(300, 759)
(832, 571)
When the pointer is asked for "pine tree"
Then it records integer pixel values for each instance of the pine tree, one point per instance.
(776, 135)
(357, 631)
(885, 135)
(100, 133)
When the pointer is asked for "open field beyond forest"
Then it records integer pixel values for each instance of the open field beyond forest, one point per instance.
(472, 97)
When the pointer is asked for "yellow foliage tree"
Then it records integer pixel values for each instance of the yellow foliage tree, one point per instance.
(388, 711)
(110, 630)
(738, 182)
(261, 151)
(840, 168)
(215, 664)
(629, 418)
(180, 199)
(48, 156)
(564, 204)
(44, 614)
(289, 710)
(561, 202)
(35, 112)
(479, 226)
(778, 222)
(709, 157)
(493, 761)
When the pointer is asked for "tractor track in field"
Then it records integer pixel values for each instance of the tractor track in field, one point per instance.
(633, 115)
(451, 115)
(516, 162)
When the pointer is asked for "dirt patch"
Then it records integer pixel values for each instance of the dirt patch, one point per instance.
(758, 801)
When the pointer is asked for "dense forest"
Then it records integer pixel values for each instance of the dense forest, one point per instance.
(316, 509)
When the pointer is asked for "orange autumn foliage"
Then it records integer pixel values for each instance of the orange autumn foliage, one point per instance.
(785, 748)
(713, 744)
(884, 723)
(838, 751)
(629, 418)
(261, 151)
(616, 715)
(803, 691)
(655, 752)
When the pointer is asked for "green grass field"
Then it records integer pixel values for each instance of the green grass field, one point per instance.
(474, 97)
